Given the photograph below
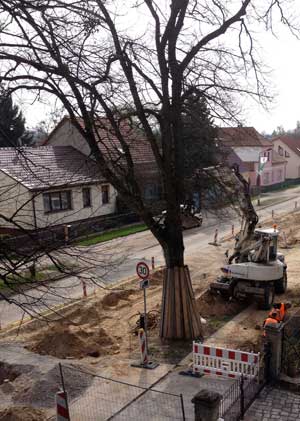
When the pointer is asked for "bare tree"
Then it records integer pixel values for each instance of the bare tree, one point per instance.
(98, 63)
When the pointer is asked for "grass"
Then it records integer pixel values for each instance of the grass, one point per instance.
(122, 232)
(22, 279)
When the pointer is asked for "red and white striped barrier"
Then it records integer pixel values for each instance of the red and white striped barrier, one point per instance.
(143, 346)
(224, 362)
(62, 410)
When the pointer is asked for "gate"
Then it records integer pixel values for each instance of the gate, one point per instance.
(107, 399)
(225, 362)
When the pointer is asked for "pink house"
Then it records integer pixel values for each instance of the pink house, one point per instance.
(251, 151)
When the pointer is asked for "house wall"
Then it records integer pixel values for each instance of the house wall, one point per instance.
(15, 199)
(78, 212)
(293, 160)
(68, 135)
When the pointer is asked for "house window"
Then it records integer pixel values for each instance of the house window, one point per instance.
(286, 154)
(152, 191)
(280, 150)
(105, 194)
(86, 197)
(57, 201)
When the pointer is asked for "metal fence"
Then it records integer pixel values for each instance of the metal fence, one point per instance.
(290, 363)
(108, 399)
(238, 398)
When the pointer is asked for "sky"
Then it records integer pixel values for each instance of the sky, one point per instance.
(280, 54)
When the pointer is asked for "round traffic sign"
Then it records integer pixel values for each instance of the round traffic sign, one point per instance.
(142, 270)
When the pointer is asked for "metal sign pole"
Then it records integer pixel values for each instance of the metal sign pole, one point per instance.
(145, 317)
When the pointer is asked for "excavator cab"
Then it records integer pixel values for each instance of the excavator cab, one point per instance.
(270, 237)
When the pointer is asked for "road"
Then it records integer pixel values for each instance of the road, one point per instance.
(116, 259)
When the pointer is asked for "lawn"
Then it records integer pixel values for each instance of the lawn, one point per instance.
(122, 232)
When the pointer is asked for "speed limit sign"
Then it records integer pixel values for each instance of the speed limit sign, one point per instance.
(142, 270)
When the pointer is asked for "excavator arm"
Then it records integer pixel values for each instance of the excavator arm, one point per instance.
(237, 189)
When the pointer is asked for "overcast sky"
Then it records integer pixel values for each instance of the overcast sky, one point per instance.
(281, 54)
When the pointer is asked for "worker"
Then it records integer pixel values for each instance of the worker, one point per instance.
(272, 319)
(281, 310)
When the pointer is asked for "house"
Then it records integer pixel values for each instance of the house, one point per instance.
(66, 134)
(42, 187)
(288, 147)
(246, 147)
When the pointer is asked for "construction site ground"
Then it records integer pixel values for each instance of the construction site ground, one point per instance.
(97, 334)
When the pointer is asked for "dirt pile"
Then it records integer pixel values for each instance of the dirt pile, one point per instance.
(72, 341)
(21, 413)
(210, 305)
(113, 298)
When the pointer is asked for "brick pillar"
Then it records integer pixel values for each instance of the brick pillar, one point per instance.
(274, 334)
(206, 404)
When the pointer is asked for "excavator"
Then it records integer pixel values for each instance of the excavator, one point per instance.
(255, 269)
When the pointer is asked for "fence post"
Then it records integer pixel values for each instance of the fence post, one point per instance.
(152, 262)
(84, 289)
(182, 406)
(274, 334)
(64, 399)
(272, 214)
(295, 205)
(232, 230)
(242, 397)
(206, 403)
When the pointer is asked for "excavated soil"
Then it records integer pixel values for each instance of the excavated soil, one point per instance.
(215, 306)
(21, 413)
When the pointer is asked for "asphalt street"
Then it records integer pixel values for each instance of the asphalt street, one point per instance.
(116, 260)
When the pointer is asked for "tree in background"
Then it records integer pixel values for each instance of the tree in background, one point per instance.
(89, 57)
(12, 124)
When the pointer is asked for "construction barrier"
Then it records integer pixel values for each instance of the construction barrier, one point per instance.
(143, 346)
(152, 263)
(224, 362)
(62, 409)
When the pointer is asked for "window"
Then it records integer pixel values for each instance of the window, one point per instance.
(86, 197)
(286, 154)
(152, 191)
(57, 201)
(105, 194)
(280, 150)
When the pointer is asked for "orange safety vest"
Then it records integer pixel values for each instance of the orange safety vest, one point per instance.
(269, 321)
(280, 312)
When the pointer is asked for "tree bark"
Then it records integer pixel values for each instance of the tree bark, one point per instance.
(180, 318)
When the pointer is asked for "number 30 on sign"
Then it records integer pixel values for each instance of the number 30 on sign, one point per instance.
(142, 270)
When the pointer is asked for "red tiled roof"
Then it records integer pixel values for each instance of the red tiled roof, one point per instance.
(109, 144)
(292, 141)
(242, 136)
(44, 167)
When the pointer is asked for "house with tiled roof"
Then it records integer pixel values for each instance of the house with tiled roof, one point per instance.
(42, 187)
(288, 147)
(66, 134)
(246, 147)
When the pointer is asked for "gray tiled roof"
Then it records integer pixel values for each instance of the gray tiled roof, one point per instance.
(48, 166)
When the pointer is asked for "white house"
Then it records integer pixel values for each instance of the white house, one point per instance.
(48, 186)
(288, 146)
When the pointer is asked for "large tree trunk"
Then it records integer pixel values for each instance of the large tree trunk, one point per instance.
(180, 318)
